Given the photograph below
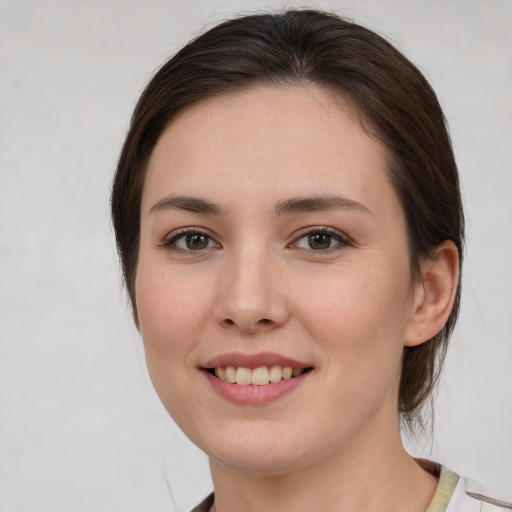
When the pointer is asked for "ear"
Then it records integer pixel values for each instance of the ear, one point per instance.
(433, 294)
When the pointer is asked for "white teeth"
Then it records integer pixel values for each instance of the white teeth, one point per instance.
(243, 376)
(230, 374)
(275, 374)
(221, 373)
(287, 372)
(258, 376)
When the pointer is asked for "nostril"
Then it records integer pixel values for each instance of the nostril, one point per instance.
(229, 322)
(247, 324)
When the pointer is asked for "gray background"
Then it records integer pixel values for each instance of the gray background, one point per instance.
(80, 426)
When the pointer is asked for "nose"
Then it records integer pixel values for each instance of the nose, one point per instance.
(252, 297)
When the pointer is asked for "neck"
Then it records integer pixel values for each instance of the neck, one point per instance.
(364, 477)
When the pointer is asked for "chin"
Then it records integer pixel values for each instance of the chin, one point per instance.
(256, 452)
(257, 462)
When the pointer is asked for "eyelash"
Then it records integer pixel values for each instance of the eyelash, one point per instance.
(171, 243)
(307, 233)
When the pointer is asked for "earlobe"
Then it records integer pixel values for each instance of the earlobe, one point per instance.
(434, 294)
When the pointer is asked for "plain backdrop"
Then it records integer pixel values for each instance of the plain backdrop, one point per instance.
(81, 428)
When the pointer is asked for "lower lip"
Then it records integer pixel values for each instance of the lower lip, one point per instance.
(254, 395)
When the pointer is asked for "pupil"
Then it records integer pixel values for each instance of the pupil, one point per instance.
(197, 241)
(319, 241)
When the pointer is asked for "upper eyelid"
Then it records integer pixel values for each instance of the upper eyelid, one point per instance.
(320, 229)
(343, 241)
(179, 232)
(176, 234)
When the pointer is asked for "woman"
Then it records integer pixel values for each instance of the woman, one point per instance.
(289, 222)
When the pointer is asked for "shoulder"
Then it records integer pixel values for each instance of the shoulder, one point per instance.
(464, 500)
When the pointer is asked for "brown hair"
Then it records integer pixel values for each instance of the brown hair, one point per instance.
(393, 98)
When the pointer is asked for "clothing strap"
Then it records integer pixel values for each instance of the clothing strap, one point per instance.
(444, 491)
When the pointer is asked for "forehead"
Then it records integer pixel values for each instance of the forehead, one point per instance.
(289, 138)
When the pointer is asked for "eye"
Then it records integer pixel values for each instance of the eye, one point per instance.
(190, 240)
(321, 239)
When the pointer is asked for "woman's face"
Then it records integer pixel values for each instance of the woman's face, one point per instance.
(270, 238)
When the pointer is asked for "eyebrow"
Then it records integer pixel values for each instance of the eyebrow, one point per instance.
(293, 205)
(319, 203)
(188, 203)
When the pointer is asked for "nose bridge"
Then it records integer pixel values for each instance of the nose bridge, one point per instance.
(252, 296)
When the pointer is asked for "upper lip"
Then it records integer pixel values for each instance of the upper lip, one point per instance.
(252, 361)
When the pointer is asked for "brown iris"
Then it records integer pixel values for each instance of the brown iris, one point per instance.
(196, 241)
(319, 240)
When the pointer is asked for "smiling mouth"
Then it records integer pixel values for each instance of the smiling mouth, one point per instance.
(260, 376)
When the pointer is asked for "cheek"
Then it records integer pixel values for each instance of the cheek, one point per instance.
(172, 316)
(359, 328)
(360, 319)
(169, 308)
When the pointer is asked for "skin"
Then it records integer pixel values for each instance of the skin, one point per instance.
(258, 285)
